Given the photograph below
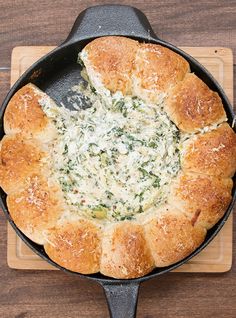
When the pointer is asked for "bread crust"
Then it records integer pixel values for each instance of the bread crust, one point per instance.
(204, 197)
(75, 246)
(192, 105)
(125, 252)
(24, 113)
(172, 236)
(112, 59)
(36, 207)
(19, 158)
(144, 70)
(212, 153)
(156, 70)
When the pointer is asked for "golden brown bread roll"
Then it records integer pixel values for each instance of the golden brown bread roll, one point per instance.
(125, 252)
(19, 158)
(172, 236)
(182, 199)
(35, 207)
(212, 153)
(109, 63)
(204, 197)
(75, 245)
(156, 70)
(191, 105)
(24, 115)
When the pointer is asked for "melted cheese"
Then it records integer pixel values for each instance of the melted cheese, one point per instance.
(114, 159)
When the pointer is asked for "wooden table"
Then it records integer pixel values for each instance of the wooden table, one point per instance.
(34, 294)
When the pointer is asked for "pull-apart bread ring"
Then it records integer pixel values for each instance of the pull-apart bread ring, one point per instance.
(148, 193)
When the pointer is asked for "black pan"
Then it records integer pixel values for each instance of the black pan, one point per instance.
(56, 72)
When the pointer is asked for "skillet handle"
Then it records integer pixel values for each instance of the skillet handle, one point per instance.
(110, 19)
(121, 299)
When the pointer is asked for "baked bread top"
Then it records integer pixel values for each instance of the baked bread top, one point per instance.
(134, 181)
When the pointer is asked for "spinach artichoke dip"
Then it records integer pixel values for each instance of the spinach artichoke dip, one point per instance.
(116, 158)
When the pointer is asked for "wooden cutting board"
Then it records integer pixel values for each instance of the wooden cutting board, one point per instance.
(217, 257)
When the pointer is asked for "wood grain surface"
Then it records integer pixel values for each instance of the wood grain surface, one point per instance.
(34, 294)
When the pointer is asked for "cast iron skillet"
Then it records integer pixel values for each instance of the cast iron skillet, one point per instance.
(56, 72)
